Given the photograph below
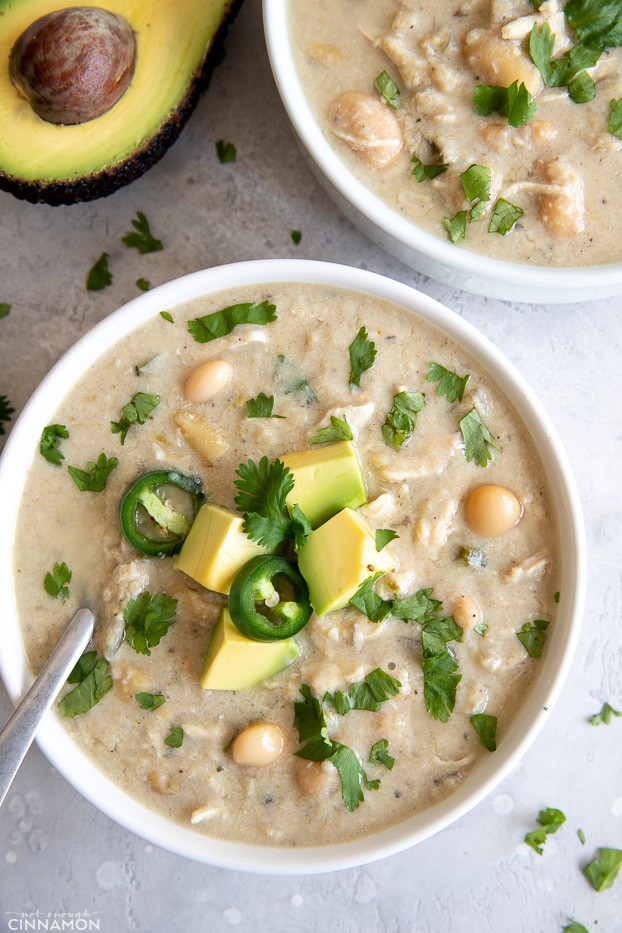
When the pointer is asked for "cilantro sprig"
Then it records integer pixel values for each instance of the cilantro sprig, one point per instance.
(550, 821)
(51, 436)
(135, 412)
(148, 619)
(93, 682)
(368, 695)
(141, 237)
(362, 355)
(478, 440)
(263, 489)
(57, 582)
(401, 420)
(338, 430)
(604, 717)
(261, 407)
(450, 384)
(95, 477)
(221, 323)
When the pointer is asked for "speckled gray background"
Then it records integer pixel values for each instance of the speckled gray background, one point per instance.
(59, 854)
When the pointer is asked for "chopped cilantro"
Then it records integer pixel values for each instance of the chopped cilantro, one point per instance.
(422, 172)
(480, 629)
(301, 525)
(140, 237)
(362, 356)
(93, 681)
(261, 407)
(221, 323)
(379, 755)
(550, 821)
(603, 871)
(51, 437)
(581, 836)
(450, 384)
(615, 118)
(55, 583)
(440, 681)
(477, 439)
(135, 412)
(383, 536)
(338, 430)
(5, 413)
(420, 607)
(532, 637)
(385, 85)
(486, 728)
(4, 309)
(296, 236)
(94, 478)
(368, 695)
(368, 601)
(167, 316)
(574, 927)
(556, 597)
(604, 717)
(581, 88)
(148, 619)
(400, 423)
(456, 226)
(175, 737)
(264, 488)
(476, 183)
(144, 285)
(150, 701)
(226, 152)
(504, 216)
(568, 70)
(514, 102)
(99, 275)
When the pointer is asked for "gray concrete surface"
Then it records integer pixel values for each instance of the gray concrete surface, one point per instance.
(60, 855)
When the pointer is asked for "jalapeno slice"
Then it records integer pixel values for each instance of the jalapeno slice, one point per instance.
(156, 511)
(269, 599)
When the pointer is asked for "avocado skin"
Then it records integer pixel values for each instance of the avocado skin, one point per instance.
(109, 180)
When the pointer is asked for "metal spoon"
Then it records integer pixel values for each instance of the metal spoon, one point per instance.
(16, 737)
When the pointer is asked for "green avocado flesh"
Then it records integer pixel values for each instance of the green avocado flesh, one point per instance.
(40, 161)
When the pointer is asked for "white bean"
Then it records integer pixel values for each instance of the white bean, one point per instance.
(257, 745)
(207, 380)
(467, 612)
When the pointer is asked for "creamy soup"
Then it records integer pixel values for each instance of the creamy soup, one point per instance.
(488, 557)
(558, 168)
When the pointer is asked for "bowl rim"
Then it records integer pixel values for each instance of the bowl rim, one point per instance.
(74, 764)
(389, 221)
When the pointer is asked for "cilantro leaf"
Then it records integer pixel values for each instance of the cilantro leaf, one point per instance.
(4, 309)
(574, 927)
(581, 836)
(486, 728)
(368, 602)
(514, 102)
(95, 684)
(385, 85)
(221, 323)
(368, 695)
(309, 718)
(480, 629)
(167, 316)
(504, 216)
(338, 430)
(603, 871)
(264, 488)
(581, 88)
(400, 423)
(615, 119)
(144, 285)
(422, 172)
(141, 237)
(301, 525)
(226, 152)
(135, 412)
(296, 236)
(550, 820)
(440, 680)
(598, 23)
(175, 737)
(150, 701)
(568, 70)
(420, 607)
(99, 275)
(450, 384)
(604, 717)
(351, 774)
(261, 407)
(476, 183)
(384, 536)
(456, 226)
(148, 619)
(379, 755)
(532, 637)
(51, 437)
(362, 356)
(83, 667)
(55, 583)
(477, 439)
(94, 478)
(436, 632)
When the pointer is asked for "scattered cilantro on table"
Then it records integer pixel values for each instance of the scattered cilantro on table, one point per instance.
(94, 478)
(56, 582)
(226, 152)
(144, 285)
(148, 619)
(51, 436)
(261, 407)
(338, 430)
(296, 236)
(603, 870)
(135, 412)
(574, 927)
(99, 275)
(550, 821)
(221, 323)
(4, 309)
(140, 237)
(604, 717)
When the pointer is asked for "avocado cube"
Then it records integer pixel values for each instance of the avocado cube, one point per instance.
(234, 662)
(216, 548)
(327, 479)
(337, 558)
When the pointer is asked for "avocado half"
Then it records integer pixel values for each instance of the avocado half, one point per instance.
(177, 43)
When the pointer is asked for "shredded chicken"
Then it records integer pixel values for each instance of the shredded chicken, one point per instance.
(432, 529)
(532, 566)
(429, 459)
(127, 581)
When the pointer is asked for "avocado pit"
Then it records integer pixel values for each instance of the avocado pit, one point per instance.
(73, 65)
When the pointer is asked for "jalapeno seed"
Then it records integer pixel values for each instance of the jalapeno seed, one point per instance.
(257, 745)
(207, 380)
(492, 510)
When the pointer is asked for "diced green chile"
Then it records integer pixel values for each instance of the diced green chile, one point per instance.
(277, 580)
(149, 522)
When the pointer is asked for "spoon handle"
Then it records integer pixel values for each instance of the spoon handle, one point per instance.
(17, 735)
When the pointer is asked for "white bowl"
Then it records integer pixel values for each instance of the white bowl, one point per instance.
(76, 766)
(436, 257)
